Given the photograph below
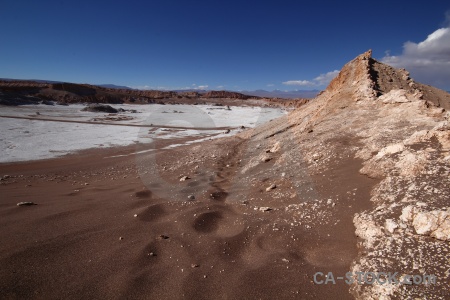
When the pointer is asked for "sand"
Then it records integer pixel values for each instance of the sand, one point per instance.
(101, 228)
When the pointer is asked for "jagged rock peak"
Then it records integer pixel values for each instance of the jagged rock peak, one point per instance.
(366, 55)
(354, 80)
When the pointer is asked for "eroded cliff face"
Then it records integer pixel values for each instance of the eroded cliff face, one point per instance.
(398, 132)
(26, 92)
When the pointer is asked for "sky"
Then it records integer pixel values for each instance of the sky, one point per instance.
(232, 45)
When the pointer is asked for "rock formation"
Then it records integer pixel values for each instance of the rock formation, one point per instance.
(398, 132)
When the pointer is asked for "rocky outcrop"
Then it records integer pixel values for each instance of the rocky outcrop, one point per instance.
(226, 94)
(24, 92)
(100, 108)
(397, 131)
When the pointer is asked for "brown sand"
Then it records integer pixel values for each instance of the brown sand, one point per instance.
(82, 240)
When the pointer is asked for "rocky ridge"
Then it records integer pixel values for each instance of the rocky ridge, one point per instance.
(18, 92)
(398, 131)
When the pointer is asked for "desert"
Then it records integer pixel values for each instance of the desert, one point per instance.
(262, 201)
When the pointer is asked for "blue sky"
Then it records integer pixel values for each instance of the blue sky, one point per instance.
(234, 45)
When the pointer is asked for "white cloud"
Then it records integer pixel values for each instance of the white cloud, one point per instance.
(220, 87)
(427, 61)
(141, 87)
(201, 87)
(270, 85)
(324, 79)
(298, 82)
(319, 81)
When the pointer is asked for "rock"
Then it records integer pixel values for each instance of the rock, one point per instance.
(316, 156)
(390, 225)
(135, 215)
(443, 231)
(151, 254)
(266, 159)
(227, 131)
(184, 178)
(100, 108)
(163, 237)
(191, 197)
(275, 148)
(395, 96)
(120, 238)
(6, 177)
(425, 222)
(271, 187)
(25, 203)
(391, 149)
(265, 208)
(195, 266)
(408, 213)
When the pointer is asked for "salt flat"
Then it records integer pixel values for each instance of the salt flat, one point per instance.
(33, 132)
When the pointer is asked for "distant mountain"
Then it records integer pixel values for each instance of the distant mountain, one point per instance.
(304, 94)
(113, 86)
(30, 80)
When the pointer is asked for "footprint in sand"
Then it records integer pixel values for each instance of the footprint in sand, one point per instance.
(152, 213)
(207, 222)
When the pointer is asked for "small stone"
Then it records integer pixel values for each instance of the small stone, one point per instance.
(191, 197)
(6, 177)
(316, 156)
(25, 203)
(195, 266)
(163, 237)
(120, 238)
(151, 254)
(271, 187)
(390, 225)
(227, 131)
(184, 178)
(275, 148)
(135, 215)
(265, 208)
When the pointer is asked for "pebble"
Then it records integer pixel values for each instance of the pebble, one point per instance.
(265, 208)
(271, 187)
(25, 203)
(135, 215)
(120, 238)
(191, 197)
(184, 178)
(195, 266)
